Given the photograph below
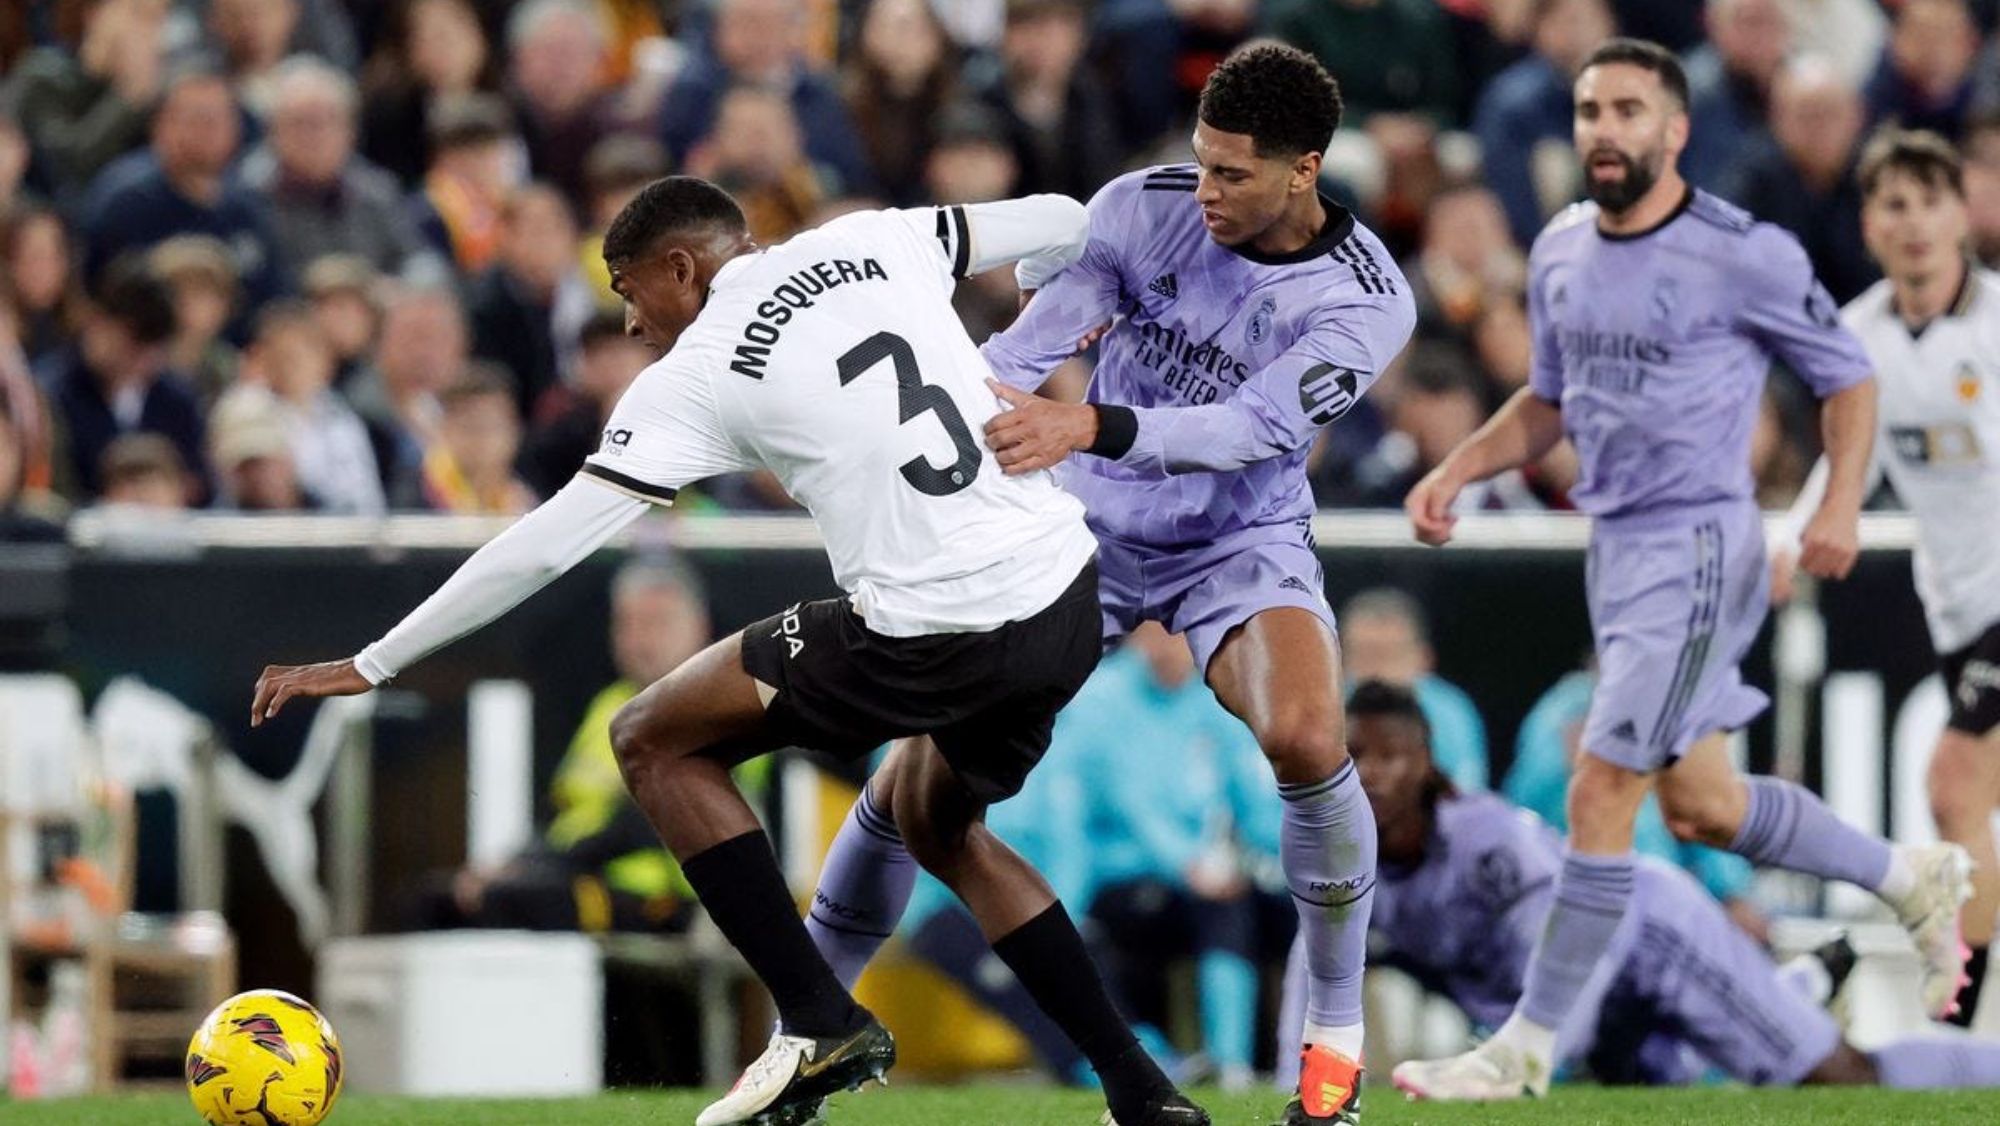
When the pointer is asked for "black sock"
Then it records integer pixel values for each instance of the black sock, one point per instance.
(740, 885)
(1048, 956)
(1968, 994)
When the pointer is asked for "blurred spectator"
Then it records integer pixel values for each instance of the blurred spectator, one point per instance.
(556, 56)
(324, 199)
(1982, 188)
(1925, 77)
(759, 155)
(202, 278)
(19, 524)
(471, 468)
(429, 51)
(473, 168)
(82, 103)
(1155, 55)
(1777, 463)
(1057, 115)
(250, 38)
(1523, 117)
(762, 43)
(1179, 801)
(331, 453)
(342, 290)
(615, 172)
(424, 348)
(1391, 56)
(1504, 347)
(40, 282)
(1468, 263)
(115, 380)
(1847, 33)
(526, 309)
(145, 471)
(608, 362)
(971, 161)
(904, 73)
(26, 415)
(1803, 181)
(1551, 738)
(599, 865)
(182, 187)
(252, 454)
(1729, 84)
(1385, 636)
(16, 156)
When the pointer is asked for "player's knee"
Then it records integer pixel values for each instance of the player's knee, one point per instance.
(933, 844)
(1304, 746)
(630, 740)
(1846, 1066)
(1960, 792)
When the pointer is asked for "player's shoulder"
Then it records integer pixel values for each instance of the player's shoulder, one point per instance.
(1982, 297)
(1728, 234)
(1718, 214)
(1869, 307)
(1160, 192)
(1567, 227)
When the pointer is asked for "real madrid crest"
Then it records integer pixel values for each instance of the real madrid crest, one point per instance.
(1259, 329)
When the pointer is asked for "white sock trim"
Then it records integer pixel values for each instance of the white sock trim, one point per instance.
(1346, 1039)
(1900, 880)
(1528, 1037)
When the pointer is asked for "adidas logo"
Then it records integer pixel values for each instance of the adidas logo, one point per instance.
(1167, 286)
(1293, 582)
(1626, 732)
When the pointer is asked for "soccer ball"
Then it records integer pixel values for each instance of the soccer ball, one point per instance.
(264, 1058)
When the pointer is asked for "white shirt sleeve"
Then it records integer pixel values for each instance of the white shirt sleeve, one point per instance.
(666, 432)
(563, 531)
(1042, 232)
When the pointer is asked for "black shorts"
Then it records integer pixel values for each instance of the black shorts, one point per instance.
(988, 699)
(1972, 680)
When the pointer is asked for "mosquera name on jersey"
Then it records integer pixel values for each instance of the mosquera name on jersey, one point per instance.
(835, 360)
(1938, 442)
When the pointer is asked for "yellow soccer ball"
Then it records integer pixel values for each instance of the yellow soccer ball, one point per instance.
(264, 1058)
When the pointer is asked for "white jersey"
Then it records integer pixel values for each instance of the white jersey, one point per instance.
(835, 360)
(1939, 444)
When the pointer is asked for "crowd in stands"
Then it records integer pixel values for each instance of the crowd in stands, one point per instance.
(340, 256)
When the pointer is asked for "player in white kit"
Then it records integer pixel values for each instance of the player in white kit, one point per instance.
(1932, 331)
(834, 360)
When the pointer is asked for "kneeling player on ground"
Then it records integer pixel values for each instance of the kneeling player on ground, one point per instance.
(1466, 884)
(834, 360)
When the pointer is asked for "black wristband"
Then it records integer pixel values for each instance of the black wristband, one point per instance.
(1117, 429)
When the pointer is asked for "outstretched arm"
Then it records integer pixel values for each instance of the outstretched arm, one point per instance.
(1527, 427)
(548, 541)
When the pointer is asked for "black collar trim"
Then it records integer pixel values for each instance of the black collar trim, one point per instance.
(1628, 236)
(1339, 227)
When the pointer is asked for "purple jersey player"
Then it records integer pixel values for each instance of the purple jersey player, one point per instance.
(1467, 882)
(1246, 311)
(1656, 311)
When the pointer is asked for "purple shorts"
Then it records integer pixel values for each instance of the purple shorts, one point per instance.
(1696, 977)
(1676, 600)
(1207, 590)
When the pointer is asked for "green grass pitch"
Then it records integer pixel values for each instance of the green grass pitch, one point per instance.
(1034, 1106)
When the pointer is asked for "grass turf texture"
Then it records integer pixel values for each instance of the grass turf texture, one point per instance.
(1031, 1106)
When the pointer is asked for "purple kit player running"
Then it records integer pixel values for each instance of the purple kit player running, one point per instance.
(1247, 311)
(1467, 882)
(1656, 311)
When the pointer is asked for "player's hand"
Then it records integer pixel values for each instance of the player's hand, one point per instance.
(1831, 543)
(1429, 507)
(282, 682)
(1784, 573)
(1036, 433)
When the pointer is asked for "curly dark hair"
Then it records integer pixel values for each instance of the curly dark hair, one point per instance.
(1279, 95)
(1380, 698)
(670, 206)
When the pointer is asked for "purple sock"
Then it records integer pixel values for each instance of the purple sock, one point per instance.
(863, 888)
(1788, 826)
(1938, 1061)
(1591, 896)
(1327, 841)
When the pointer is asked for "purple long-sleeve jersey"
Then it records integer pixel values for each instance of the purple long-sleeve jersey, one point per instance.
(1231, 361)
(1656, 346)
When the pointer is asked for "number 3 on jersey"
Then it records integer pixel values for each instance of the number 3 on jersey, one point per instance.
(914, 397)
